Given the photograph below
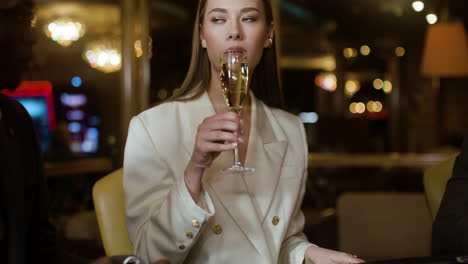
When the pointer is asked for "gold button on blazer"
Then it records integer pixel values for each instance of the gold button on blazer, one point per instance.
(160, 211)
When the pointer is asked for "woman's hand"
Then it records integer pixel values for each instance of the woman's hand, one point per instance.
(215, 134)
(318, 255)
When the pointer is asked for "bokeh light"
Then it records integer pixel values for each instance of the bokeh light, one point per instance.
(418, 6)
(350, 53)
(378, 84)
(76, 81)
(387, 87)
(431, 18)
(352, 87)
(365, 50)
(400, 51)
(64, 31)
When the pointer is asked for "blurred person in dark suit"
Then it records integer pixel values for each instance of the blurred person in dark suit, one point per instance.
(450, 228)
(26, 235)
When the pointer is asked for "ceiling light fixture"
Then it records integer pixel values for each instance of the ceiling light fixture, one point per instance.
(431, 18)
(104, 55)
(64, 31)
(418, 6)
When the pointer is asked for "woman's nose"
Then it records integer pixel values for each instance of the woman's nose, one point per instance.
(234, 32)
(234, 35)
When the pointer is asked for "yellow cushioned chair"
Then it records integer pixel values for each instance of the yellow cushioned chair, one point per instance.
(435, 180)
(109, 203)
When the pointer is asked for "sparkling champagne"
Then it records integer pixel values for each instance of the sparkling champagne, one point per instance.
(235, 84)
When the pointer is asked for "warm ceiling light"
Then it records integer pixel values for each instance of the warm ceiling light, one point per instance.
(357, 108)
(378, 84)
(431, 18)
(349, 53)
(418, 6)
(387, 87)
(374, 106)
(445, 51)
(326, 81)
(365, 50)
(352, 87)
(352, 108)
(64, 31)
(104, 55)
(400, 51)
(360, 108)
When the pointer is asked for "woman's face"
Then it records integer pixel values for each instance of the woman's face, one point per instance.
(235, 25)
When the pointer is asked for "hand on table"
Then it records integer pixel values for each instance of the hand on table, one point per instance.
(318, 255)
(108, 260)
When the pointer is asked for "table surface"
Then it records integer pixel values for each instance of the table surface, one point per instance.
(78, 166)
(420, 260)
(376, 160)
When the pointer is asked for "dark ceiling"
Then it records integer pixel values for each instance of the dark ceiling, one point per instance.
(313, 26)
(365, 19)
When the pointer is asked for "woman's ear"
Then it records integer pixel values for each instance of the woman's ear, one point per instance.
(202, 38)
(268, 42)
(270, 36)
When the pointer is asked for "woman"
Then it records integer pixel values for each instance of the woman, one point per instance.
(179, 205)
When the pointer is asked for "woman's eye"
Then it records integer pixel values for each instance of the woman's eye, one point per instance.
(217, 20)
(249, 19)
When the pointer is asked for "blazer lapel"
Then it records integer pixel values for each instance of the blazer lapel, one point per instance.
(247, 197)
(231, 191)
(265, 154)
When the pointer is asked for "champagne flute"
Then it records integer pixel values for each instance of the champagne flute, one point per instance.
(234, 74)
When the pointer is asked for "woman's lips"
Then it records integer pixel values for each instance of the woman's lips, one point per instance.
(236, 49)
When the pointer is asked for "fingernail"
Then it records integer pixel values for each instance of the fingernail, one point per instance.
(242, 121)
(234, 144)
(241, 140)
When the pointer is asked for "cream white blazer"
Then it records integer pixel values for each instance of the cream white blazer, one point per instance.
(251, 218)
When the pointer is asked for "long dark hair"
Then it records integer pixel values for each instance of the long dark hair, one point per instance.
(265, 81)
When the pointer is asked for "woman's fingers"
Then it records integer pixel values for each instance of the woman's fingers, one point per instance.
(227, 125)
(227, 116)
(217, 147)
(224, 121)
(319, 255)
(221, 136)
(347, 258)
(215, 134)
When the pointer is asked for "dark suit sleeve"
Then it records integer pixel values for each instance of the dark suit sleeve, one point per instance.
(42, 237)
(41, 244)
(450, 228)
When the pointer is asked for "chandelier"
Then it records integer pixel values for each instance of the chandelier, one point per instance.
(103, 55)
(64, 31)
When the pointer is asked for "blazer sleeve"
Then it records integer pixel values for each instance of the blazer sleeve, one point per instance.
(295, 243)
(162, 218)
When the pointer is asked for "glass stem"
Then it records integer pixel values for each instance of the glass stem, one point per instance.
(236, 158)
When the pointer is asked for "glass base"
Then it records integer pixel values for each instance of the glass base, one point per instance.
(237, 169)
